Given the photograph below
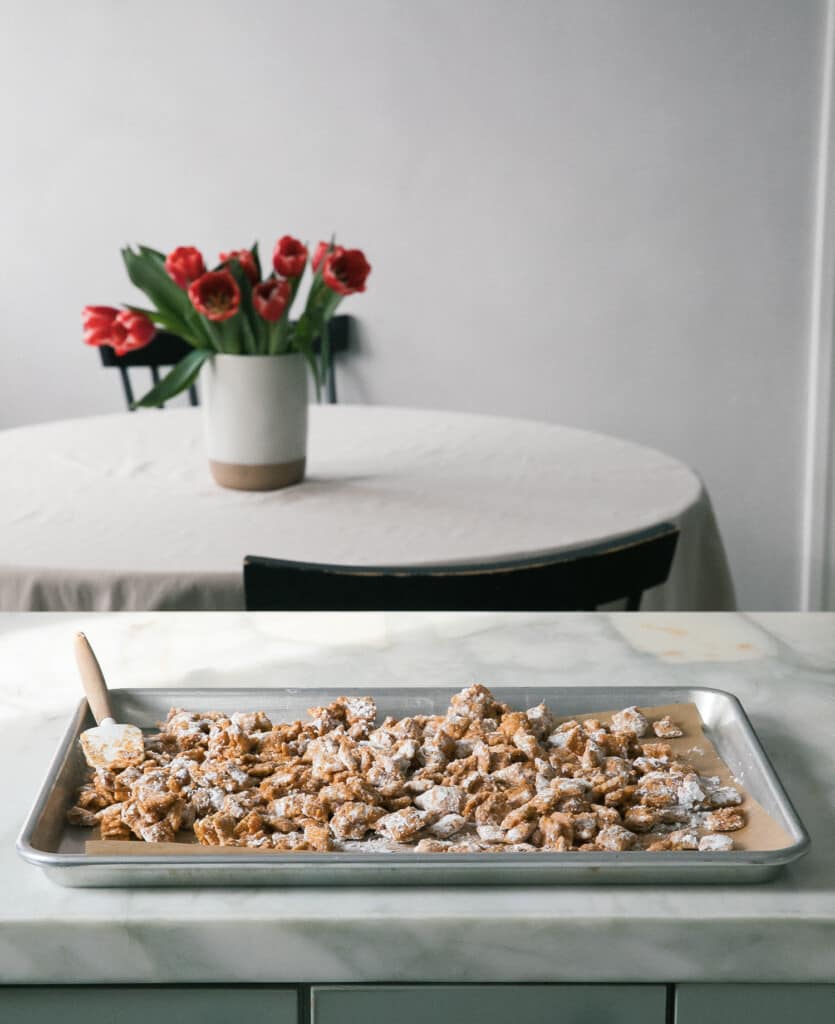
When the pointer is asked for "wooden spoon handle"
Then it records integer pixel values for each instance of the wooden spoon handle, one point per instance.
(92, 679)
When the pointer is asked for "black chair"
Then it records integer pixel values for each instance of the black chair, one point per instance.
(167, 349)
(339, 340)
(576, 581)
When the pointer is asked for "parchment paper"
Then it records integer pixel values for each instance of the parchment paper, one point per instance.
(761, 831)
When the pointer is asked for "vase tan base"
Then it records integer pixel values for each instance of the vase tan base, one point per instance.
(269, 477)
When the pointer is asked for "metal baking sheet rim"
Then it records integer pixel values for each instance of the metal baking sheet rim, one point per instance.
(404, 869)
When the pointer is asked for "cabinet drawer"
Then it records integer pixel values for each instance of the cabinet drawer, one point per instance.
(139, 1004)
(488, 1004)
(765, 1004)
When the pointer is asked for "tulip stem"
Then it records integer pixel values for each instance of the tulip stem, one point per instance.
(212, 334)
(325, 351)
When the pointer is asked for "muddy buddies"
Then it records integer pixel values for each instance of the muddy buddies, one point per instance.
(480, 778)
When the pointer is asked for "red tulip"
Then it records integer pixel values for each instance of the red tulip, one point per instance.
(184, 265)
(125, 331)
(246, 260)
(216, 295)
(98, 324)
(345, 271)
(131, 331)
(289, 257)
(270, 298)
(319, 254)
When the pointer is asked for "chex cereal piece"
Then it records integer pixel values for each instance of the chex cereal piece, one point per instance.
(447, 826)
(662, 751)
(521, 832)
(299, 805)
(585, 826)
(491, 833)
(441, 799)
(684, 839)
(630, 720)
(159, 832)
(317, 835)
(658, 789)
(569, 736)
(606, 815)
(541, 720)
(675, 814)
(640, 819)
(84, 817)
(401, 826)
(353, 820)
(557, 830)
(727, 819)
(716, 843)
(215, 829)
(724, 796)
(666, 729)
(289, 842)
(111, 824)
(615, 837)
(689, 790)
(432, 846)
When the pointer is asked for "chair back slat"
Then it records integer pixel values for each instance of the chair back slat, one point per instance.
(123, 371)
(574, 581)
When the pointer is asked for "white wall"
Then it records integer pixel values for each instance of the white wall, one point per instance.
(599, 213)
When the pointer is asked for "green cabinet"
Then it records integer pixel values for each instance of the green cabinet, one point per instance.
(488, 1004)
(140, 1004)
(765, 1004)
(416, 1004)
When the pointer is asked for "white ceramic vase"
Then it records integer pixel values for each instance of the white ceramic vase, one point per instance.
(255, 418)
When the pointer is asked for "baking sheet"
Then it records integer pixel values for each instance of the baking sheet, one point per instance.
(774, 837)
(761, 831)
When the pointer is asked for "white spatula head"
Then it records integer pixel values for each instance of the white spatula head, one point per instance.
(113, 746)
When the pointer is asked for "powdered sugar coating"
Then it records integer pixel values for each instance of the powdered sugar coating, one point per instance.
(479, 778)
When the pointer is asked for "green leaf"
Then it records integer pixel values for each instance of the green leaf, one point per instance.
(325, 353)
(302, 341)
(228, 333)
(294, 287)
(332, 300)
(282, 335)
(257, 258)
(250, 331)
(152, 252)
(147, 271)
(181, 377)
(273, 338)
(250, 341)
(202, 329)
(313, 324)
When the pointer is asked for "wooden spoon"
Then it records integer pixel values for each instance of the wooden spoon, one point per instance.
(108, 745)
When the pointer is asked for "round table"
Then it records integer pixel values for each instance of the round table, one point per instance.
(120, 513)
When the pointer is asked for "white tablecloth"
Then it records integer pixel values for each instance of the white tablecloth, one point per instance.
(119, 512)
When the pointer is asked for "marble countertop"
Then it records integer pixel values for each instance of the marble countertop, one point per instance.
(781, 666)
